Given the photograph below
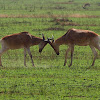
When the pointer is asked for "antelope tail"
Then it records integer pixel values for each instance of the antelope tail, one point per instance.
(99, 39)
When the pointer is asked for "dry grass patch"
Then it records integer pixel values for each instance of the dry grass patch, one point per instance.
(48, 16)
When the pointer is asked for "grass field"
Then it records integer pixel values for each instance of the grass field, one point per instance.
(49, 79)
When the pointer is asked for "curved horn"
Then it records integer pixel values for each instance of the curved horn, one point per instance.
(48, 39)
(52, 37)
(43, 37)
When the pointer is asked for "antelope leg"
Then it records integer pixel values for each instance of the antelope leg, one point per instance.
(95, 54)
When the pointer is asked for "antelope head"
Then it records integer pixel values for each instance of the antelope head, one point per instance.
(54, 45)
(42, 44)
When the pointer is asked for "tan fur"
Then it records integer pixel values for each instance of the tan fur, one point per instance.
(21, 40)
(77, 37)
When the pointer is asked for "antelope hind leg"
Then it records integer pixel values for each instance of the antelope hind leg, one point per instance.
(66, 55)
(95, 54)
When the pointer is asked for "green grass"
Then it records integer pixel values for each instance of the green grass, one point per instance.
(49, 79)
(49, 83)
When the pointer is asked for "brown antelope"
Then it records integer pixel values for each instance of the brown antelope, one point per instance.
(77, 37)
(21, 40)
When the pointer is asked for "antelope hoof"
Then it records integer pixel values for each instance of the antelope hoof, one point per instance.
(92, 65)
(64, 64)
(70, 65)
(25, 65)
(33, 65)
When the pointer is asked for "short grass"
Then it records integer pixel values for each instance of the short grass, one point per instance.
(49, 79)
(52, 82)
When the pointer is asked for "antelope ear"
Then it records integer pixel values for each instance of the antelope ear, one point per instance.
(43, 37)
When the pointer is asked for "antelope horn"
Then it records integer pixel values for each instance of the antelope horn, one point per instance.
(52, 37)
(43, 37)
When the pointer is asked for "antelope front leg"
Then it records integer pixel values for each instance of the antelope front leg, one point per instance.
(66, 55)
(29, 52)
(72, 50)
(24, 57)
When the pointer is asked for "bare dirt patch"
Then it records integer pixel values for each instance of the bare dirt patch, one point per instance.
(48, 16)
(64, 22)
(69, 2)
(56, 29)
(83, 16)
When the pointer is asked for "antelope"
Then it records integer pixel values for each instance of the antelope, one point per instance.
(21, 40)
(76, 37)
(85, 5)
